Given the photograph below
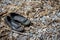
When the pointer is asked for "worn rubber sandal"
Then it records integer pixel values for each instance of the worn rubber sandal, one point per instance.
(21, 19)
(14, 25)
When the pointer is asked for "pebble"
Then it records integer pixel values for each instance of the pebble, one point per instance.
(22, 38)
(58, 14)
(2, 10)
(30, 34)
(45, 20)
(1, 25)
(54, 17)
(15, 35)
(6, 2)
(41, 38)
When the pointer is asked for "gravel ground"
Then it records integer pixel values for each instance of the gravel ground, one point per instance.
(44, 14)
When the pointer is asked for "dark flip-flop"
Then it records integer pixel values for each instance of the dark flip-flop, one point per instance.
(14, 25)
(21, 19)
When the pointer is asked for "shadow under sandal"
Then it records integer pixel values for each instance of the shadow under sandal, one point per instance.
(14, 25)
(21, 19)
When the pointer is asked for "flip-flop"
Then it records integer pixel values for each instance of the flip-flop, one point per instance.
(14, 25)
(21, 19)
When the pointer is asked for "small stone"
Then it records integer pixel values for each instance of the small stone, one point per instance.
(22, 38)
(1, 25)
(45, 20)
(30, 35)
(41, 38)
(6, 2)
(27, 28)
(32, 38)
(15, 35)
(44, 29)
(58, 14)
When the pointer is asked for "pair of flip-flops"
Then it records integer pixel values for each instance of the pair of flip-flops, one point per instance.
(14, 21)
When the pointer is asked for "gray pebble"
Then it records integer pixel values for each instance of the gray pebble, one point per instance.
(58, 14)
